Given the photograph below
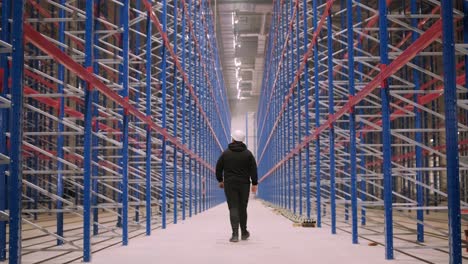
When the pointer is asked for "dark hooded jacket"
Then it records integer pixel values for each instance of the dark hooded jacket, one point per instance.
(238, 165)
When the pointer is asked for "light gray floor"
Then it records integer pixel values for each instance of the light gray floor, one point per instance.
(204, 239)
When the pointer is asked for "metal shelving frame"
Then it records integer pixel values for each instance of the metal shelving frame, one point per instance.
(118, 111)
(363, 111)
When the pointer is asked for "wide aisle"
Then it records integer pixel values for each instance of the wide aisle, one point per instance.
(204, 239)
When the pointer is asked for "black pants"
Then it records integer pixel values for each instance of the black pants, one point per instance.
(237, 196)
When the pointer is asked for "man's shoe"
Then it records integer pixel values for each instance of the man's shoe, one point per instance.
(245, 235)
(234, 238)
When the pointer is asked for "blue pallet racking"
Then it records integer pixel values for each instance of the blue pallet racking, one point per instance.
(350, 120)
(125, 113)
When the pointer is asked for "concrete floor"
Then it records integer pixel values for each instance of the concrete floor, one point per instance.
(274, 239)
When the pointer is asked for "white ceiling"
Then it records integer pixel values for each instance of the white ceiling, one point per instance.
(251, 23)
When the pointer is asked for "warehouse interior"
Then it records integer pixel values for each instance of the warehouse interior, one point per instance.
(113, 114)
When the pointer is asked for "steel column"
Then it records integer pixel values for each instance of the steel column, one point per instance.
(386, 135)
(88, 135)
(451, 132)
(352, 122)
(16, 130)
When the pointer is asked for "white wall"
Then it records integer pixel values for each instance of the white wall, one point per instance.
(242, 110)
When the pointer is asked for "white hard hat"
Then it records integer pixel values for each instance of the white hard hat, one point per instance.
(238, 135)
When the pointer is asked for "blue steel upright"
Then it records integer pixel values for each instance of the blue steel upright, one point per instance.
(317, 120)
(175, 124)
(292, 108)
(196, 115)
(87, 167)
(60, 128)
(163, 115)
(148, 149)
(298, 109)
(4, 122)
(125, 20)
(307, 118)
(184, 106)
(386, 135)
(16, 129)
(352, 122)
(451, 132)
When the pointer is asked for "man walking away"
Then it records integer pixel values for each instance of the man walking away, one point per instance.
(239, 167)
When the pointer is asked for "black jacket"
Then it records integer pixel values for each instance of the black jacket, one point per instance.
(238, 164)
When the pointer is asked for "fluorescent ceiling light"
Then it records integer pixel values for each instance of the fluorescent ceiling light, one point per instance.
(237, 62)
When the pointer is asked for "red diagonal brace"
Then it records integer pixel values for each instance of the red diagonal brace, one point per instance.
(350, 99)
(384, 82)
